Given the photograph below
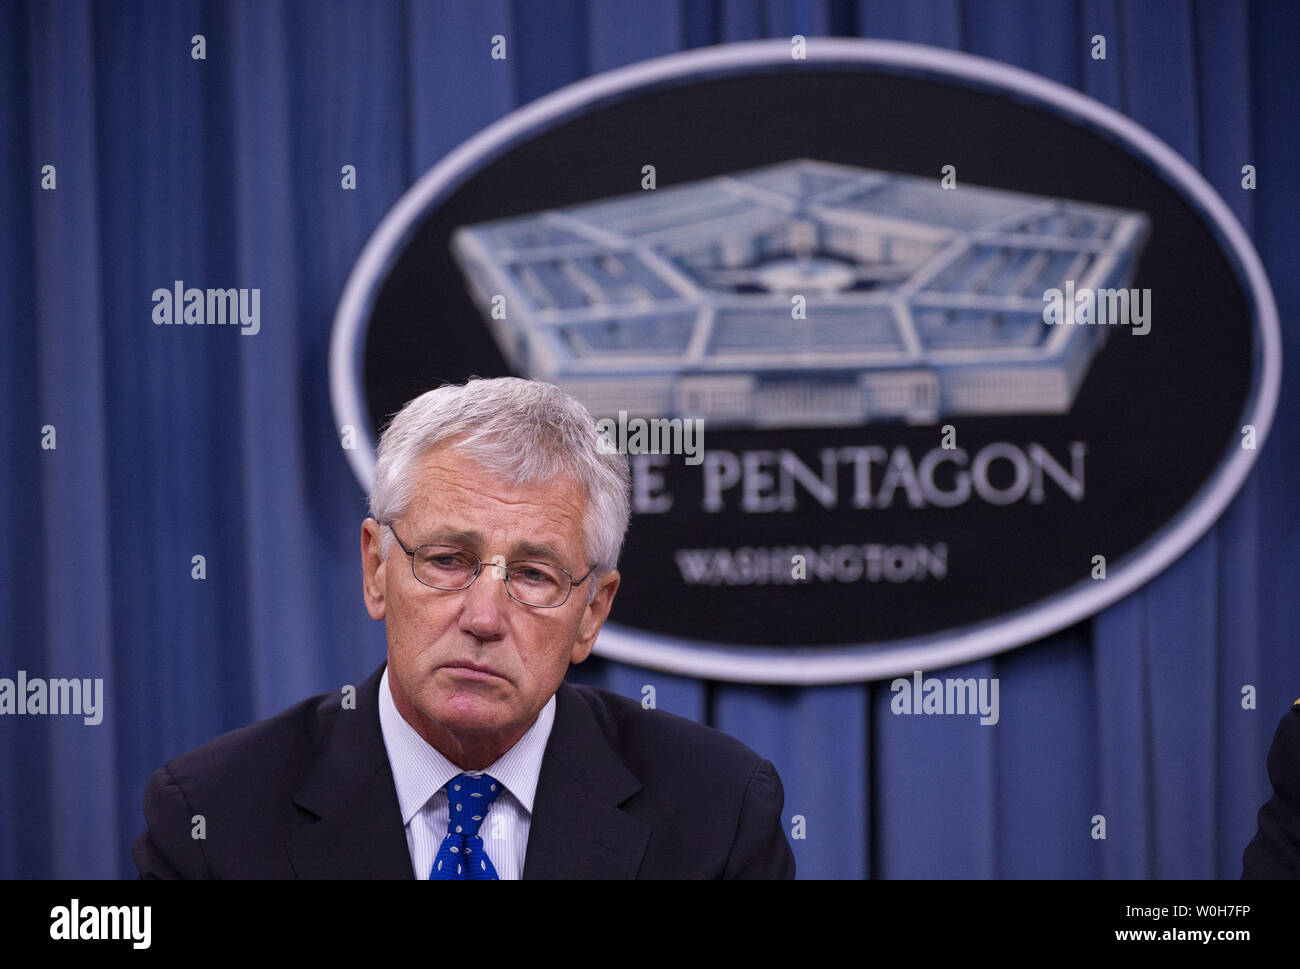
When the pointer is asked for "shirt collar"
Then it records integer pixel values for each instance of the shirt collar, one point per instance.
(420, 770)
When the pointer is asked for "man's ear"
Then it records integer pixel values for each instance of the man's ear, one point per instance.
(373, 568)
(594, 616)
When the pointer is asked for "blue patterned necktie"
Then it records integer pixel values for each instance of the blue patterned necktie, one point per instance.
(462, 855)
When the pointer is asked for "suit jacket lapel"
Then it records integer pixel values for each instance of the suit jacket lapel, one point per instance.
(360, 832)
(578, 829)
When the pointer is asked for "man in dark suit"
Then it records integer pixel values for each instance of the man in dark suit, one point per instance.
(497, 516)
(1274, 852)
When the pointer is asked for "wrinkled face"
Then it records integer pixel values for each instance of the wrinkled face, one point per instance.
(477, 662)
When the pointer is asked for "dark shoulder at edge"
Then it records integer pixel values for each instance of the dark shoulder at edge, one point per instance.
(274, 746)
(626, 719)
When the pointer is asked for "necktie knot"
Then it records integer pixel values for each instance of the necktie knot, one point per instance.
(463, 855)
(468, 799)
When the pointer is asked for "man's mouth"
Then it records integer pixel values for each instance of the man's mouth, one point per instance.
(471, 670)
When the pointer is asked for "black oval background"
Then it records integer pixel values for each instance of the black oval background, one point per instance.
(1156, 411)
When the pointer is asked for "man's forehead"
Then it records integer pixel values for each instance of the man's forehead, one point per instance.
(452, 486)
(444, 466)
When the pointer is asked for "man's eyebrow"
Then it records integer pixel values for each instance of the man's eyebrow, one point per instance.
(536, 550)
(459, 539)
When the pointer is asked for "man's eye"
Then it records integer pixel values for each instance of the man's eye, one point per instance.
(533, 576)
(448, 562)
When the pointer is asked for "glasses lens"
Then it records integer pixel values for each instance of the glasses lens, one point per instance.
(537, 583)
(444, 567)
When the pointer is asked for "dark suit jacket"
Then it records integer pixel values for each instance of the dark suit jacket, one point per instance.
(623, 793)
(1274, 852)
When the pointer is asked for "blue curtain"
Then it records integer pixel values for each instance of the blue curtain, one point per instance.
(228, 168)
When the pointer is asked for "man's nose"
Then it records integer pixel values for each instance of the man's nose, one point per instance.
(485, 601)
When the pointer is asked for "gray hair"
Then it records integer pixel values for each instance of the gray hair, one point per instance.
(524, 431)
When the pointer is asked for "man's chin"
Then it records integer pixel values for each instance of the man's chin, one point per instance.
(469, 711)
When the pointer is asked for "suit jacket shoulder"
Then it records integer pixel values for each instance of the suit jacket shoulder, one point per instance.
(275, 800)
(656, 736)
(627, 792)
(1274, 852)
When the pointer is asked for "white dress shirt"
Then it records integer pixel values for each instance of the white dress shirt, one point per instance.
(421, 772)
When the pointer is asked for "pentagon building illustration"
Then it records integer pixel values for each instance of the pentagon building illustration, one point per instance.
(921, 302)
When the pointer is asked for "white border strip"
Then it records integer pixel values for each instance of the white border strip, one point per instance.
(868, 661)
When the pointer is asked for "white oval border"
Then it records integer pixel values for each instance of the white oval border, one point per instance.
(868, 661)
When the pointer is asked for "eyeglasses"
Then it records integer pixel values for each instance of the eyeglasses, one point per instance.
(452, 569)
